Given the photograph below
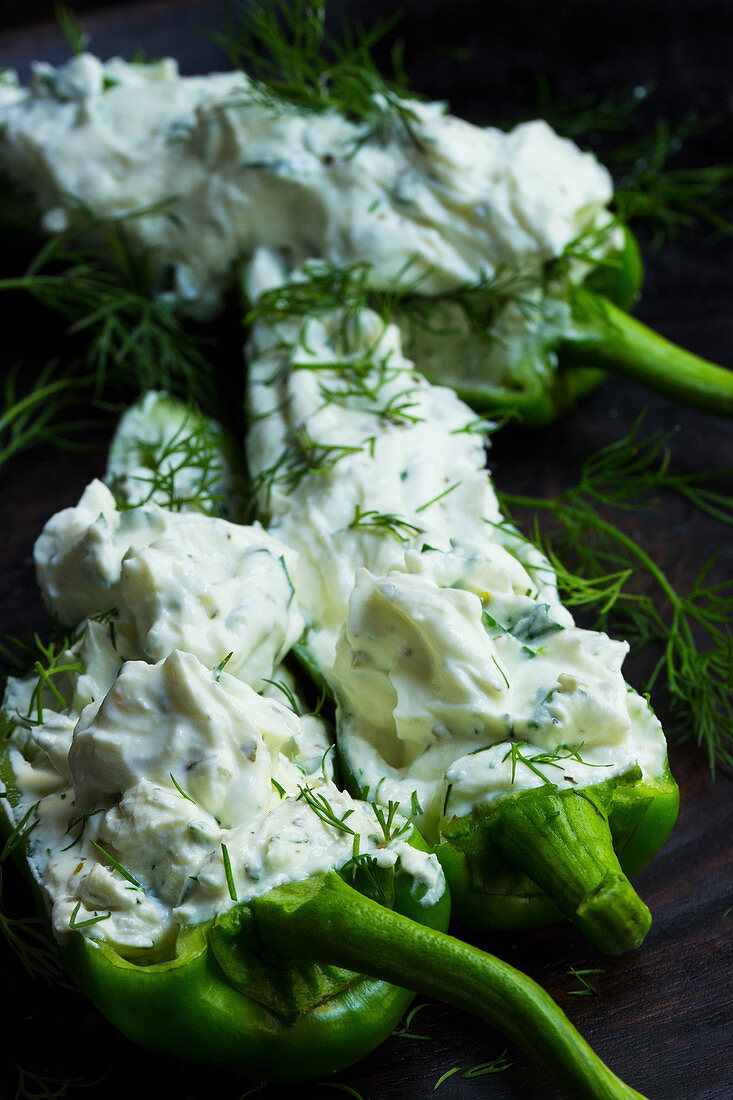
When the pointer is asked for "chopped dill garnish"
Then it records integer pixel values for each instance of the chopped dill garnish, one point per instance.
(287, 49)
(218, 669)
(117, 866)
(75, 924)
(180, 789)
(434, 500)
(323, 809)
(394, 525)
(587, 989)
(231, 886)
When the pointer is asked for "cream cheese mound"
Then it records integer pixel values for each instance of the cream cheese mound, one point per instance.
(183, 790)
(174, 580)
(439, 629)
(235, 172)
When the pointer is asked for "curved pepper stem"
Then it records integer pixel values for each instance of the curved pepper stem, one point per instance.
(324, 920)
(562, 840)
(609, 338)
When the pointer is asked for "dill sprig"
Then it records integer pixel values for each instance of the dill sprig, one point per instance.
(287, 49)
(125, 337)
(196, 447)
(42, 415)
(647, 187)
(49, 661)
(671, 199)
(28, 938)
(323, 809)
(587, 989)
(616, 578)
(388, 522)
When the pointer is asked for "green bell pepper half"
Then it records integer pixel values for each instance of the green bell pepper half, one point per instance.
(602, 337)
(313, 975)
(541, 854)
(211, 1001)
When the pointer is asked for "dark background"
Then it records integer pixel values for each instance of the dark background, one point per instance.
(662, 1016)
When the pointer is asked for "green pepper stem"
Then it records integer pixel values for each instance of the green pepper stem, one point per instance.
(609, 338)
(562, 840)
(324, 920)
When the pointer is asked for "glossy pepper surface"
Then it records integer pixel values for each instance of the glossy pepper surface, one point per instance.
(275, 987)
(569, 364)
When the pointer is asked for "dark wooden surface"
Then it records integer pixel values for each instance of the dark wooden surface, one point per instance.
(662, 1016)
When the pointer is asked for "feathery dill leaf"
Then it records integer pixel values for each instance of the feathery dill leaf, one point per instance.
(613, 576)
(671, 199)
(287, 49)
(647, 187)
(72, 29)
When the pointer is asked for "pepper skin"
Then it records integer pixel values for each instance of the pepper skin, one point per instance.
(604, 337)
(275, 987)
(502, 879)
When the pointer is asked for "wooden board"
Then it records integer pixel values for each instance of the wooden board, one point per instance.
(662, 1016)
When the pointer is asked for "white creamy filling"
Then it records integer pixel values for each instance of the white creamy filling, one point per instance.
(176, 793)
(160, 787)
(174, 580)
(166, 453)
(438, 627)
(455, 203)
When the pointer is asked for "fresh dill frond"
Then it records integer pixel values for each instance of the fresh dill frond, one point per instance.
(587, 989)
(288, 51)
(47, 411)
(185, 471)
(387, 821)
(592, 112)
(671, 199)
(602, 568)
(51, 662)
(392, 524)
(107, 293)
(323, 809)
(28, 938)
(72, 29)
(647, 187)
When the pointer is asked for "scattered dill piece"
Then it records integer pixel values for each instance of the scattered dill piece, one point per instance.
(231, 887)
(496, 1065)
(444, 1077)
(403, 1032)
(218, 669)
(287, 692)
(394, 525)
(278, 787)
(587, 989)
(323, 809)
(81, 822)
(117, 866)
(72, 29)
(180, 789)
(75, 924)
(440, 496)
(343, 1088)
